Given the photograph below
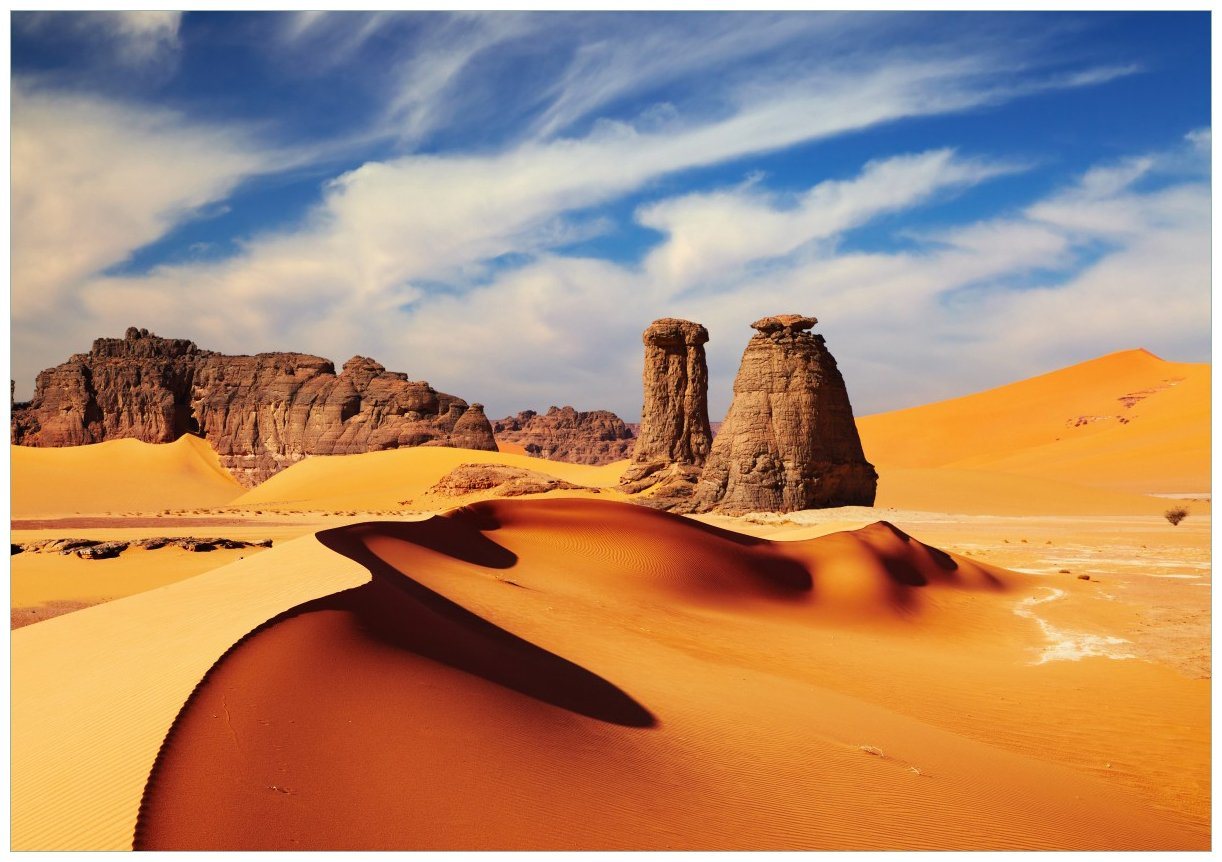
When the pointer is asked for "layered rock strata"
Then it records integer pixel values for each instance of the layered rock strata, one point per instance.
(675, 437)
(789, 441)
(563, 434)
(260, 413)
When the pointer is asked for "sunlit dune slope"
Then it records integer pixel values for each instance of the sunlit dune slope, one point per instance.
(951, 489)
(511, 448)
(118, 476)
(564, 673)
(399, 478)
(1129, 421)
(94, 692)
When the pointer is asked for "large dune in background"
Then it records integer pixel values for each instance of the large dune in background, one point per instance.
(1129, 422)
(118, 476)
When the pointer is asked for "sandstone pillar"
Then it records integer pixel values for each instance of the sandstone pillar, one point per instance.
(789, 441)
(675, 438)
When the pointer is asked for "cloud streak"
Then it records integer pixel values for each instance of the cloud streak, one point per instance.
(456, 263)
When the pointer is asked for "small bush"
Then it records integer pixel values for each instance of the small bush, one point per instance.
(1176, 515)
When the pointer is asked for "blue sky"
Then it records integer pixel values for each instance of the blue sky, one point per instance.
(499, 203)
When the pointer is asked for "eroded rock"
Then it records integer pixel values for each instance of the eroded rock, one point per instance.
(564, 434)
(675, 438)
(789, 441)
(502, 479)
(260, 413)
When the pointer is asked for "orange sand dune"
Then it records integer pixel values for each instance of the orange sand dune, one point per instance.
(118, 476)
(1128, 421)
(547, 674)
(950, 489)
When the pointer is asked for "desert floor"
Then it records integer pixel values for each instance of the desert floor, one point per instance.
(891, 704)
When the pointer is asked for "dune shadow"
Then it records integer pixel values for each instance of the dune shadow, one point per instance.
(403, 613)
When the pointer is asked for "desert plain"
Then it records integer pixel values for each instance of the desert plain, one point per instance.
(1009, 650)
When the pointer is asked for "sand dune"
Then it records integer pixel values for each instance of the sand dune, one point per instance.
(95, 692)
(118, 476)
(1129, 421)
(583, 674)
(400, 479)
(951, 489)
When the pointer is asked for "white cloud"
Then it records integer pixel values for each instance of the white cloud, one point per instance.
(144, 37)
(710, 236)
(957, 314)
(387, 225)
(93, 180)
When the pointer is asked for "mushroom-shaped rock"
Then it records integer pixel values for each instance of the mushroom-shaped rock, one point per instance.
(675, 437)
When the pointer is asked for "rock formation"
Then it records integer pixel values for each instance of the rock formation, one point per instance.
(675, 437)
(789, 441)
(501, 479)
(564, 434)
(260, 413)
(96, 549)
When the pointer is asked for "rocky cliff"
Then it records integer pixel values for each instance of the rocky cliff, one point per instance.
(260, 413)
(789, 440)
(564, 434)
(675, 437)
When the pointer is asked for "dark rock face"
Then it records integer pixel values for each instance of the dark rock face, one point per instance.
(94, 549)
(675, 437)
(564, 434)
(260, 413)
(789, 441)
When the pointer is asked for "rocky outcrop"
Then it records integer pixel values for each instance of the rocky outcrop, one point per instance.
(501, 479)
(95, 549)
(789, 441)
(675, 437)
(564, 434)
(260, 413)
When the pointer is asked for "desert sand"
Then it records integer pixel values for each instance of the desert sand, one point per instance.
(116, 477)
(1129, 421)
(585, 674)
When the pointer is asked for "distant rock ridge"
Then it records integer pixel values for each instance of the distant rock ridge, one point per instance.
(564, 434)
(260, 413)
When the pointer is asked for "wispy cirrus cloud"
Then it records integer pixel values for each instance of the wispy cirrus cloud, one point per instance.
(386, 227)
(92, 180)
(503, 140)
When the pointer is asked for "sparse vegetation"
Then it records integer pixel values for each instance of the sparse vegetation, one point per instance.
(1174, 516)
